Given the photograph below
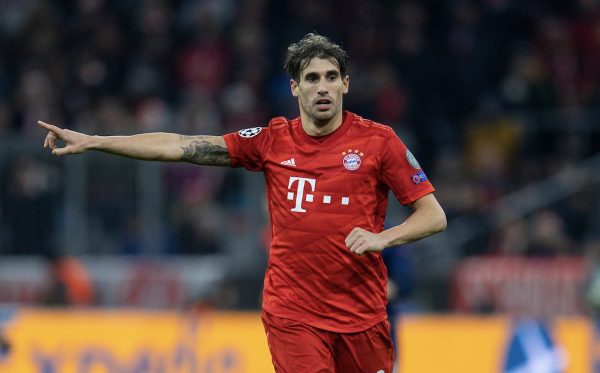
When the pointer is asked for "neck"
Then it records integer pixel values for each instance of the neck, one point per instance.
(314, 127)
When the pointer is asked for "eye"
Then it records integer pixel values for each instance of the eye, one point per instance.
(311, 78)
(332, 77)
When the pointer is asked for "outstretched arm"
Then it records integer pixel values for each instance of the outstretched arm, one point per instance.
(205, 150)
(427, 218)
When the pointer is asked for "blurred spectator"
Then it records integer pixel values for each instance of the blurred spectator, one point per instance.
(69, 283)
(527, 83)
(31, 201)
(548, 236)
(492, 141)
(510, 239)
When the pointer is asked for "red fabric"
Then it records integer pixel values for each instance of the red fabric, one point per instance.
(314, 203)
(297, 347)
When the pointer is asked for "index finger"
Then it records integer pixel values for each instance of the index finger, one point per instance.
(48, 126)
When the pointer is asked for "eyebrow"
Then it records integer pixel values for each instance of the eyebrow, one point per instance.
(330, 72)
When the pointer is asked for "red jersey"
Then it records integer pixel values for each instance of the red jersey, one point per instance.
(318, 190)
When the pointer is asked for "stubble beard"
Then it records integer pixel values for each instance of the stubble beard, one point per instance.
(323, 118)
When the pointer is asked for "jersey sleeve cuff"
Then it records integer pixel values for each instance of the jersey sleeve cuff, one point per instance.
(416, 195)
(230, 143)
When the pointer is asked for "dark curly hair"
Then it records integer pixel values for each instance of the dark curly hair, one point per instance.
(313, 45)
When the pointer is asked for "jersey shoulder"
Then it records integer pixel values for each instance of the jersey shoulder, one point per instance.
(375, 128)
(372, 125)
(280, 128)
(279, 123)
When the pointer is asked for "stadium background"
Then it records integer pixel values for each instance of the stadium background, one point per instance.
(498, 99)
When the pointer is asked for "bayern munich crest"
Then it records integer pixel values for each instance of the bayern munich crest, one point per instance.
(352, 159)
(249, 132)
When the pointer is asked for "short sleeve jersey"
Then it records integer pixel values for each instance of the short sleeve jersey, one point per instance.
(318, 190)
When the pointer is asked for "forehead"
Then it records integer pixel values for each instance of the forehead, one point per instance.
(320, 65)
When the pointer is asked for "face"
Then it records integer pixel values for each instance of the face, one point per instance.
(320, 91)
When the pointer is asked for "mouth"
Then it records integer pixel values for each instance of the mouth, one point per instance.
(323, 104)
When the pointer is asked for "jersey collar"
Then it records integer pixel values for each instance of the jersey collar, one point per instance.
(347, 119)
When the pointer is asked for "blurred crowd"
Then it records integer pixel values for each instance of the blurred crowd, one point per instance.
(490, 95)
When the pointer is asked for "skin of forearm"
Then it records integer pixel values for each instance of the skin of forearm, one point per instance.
(420, 224)
(148, 146)
(169, 147)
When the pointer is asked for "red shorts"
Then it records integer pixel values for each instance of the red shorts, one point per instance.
(298, 347)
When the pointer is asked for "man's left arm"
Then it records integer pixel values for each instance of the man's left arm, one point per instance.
(427, 218)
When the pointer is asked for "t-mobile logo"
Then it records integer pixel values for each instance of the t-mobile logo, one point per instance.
(302, 196)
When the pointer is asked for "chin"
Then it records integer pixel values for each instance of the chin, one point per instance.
(324, 115)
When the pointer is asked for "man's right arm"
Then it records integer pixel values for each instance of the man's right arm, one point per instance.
(204, 150)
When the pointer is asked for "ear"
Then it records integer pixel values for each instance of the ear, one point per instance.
(346, 84)
(294, 87)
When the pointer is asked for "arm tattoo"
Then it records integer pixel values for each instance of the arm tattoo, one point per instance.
(201, 150)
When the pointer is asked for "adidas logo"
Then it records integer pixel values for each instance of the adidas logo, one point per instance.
(289, 162)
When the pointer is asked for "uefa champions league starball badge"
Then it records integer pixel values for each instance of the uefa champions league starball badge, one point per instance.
(249, 132)
(352, 159)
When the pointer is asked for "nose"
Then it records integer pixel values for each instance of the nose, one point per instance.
(322, 88)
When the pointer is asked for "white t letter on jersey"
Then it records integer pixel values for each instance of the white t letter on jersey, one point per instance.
(300, 191)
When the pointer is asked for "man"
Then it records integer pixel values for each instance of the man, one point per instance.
(328, 174)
